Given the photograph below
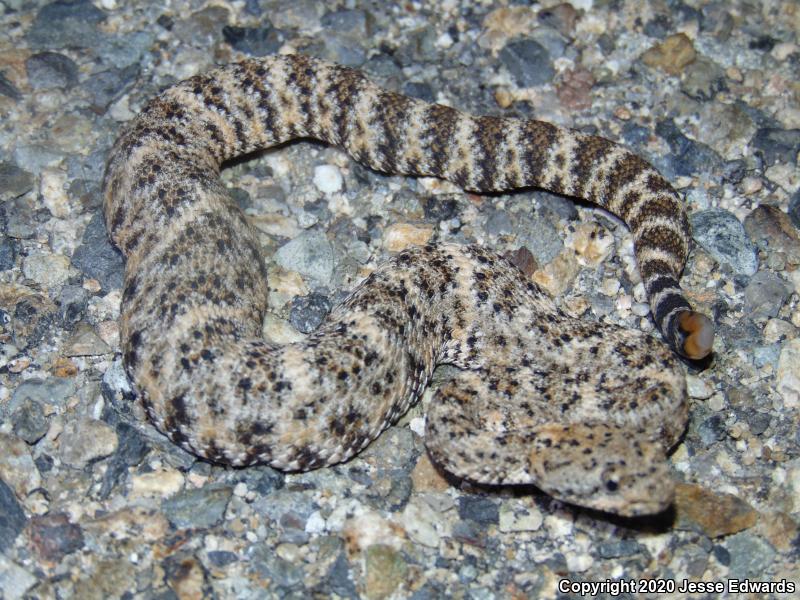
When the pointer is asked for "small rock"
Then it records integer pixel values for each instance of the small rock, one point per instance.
(29, 422)
(788, 375)
(697, 388)
(131, 449)
(618, 549)
(672, 55)
(51, 70)
(73, 302)
(49, 270)
(53, 536)
(310, 254)
(65, 23)
(12, 520)
(479, 509)
(160, 483)
(558, 276)
(499, 223)
(9, 249)
(421, 523)
(106, 87)
(688, 156)
(386, 571)
(574, 90)
(97, 258)
(85, 440)
(308, 312)
(765, 294)
(750, 555)
(711, 513)
(794, 209)
(519, 515)
(85, 342)
(703, 79)
(14, 580)
(528, 62)
(201, 508)
(14, 182)
(777, 145)
(722, 235)
(711, 430)
(426, 478)
(772, 229)
(255, 41)
(561, 17)
(328, 179)
(591, 242)
(17, 468)
(402, 235)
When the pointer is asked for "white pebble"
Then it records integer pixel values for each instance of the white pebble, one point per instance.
(328, 179)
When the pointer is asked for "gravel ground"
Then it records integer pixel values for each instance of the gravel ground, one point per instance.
(94, 503)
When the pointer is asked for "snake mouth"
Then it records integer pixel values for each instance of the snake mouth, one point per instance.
(696, 334)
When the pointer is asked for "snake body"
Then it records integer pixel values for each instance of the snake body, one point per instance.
(585, 411)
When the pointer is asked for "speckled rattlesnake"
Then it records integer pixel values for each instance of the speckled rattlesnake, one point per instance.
(585, 411)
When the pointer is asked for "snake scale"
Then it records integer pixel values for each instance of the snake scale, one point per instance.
(585, 411)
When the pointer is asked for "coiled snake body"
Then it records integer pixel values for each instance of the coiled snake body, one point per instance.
(585, 411)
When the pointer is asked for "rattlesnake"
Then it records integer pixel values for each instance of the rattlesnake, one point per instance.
(585, 411)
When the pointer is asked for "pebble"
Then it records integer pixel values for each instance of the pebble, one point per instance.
(400, 236)
(49, 270)
(479, 509)
(723, 236)
(750, 555)
(591, 242)
(51, 70)
(255, 41)
(672, 55)
(97, 258)
(14, 181)
(688, 157)
(12, 521)
(697, 388)
(54, 537)
(160, 483)
(29, 422)
(85, 342)
(310, 254)
(422, 523)
(703, 79)
(714, 514)
(85, 440)
(765, 294)
(519, 515)
(777, 145)
(17, 468)
(386, 571)
(308, 312)
(772, 229)
(528, 62)
(794, 209)
(66, 23)
(788, 375)
(201, 508)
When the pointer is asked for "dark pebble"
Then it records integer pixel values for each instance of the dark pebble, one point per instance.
(8, 252)
(131, 449)
(308, 312)
(201, 508)
(44, 462)
(255, 41)
(635, 135)
(688, 156)
(65, 23)
(528, 62)
(758, 422)
(794, 209)
(479, 509)
(221, 558)
(438, 208)
(339, 580)
(51, 70)
(734, 171)
(12, 517)
(777, 145)
(97, 258)
(765, 295)
(29, 422)
(53, 536)
(711, 430)
(8, 89)
(722, 555)
(72, 303)
(14, 182)
(658, 27)
(105, 87)
(420, 90)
